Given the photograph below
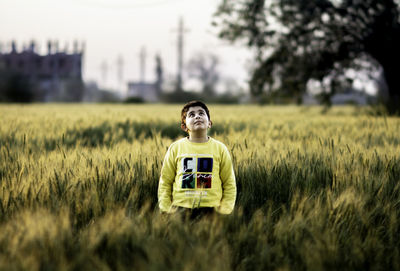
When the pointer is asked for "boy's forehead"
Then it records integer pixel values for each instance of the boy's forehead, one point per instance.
(195, 108)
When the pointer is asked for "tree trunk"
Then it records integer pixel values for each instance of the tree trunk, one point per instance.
(387, 53)
(383, 44)
(392, 78)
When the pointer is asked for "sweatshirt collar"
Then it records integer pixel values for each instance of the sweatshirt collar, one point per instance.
(198, 143)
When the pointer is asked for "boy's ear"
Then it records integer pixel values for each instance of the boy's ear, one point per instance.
(183, 127)
(210, 124)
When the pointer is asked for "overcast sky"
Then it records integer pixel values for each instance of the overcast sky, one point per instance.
(111, 28)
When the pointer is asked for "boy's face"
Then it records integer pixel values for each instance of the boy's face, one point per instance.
(197, 119)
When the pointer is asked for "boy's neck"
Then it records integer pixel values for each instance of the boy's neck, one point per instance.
(198, 138)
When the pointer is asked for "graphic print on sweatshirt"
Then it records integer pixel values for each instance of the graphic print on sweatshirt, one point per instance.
(197, 172)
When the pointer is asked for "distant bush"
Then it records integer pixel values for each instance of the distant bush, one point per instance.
(134, 100)
(15, 88)
(225, 99)
(181, 97)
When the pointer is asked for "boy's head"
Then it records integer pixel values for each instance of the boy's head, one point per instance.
(188, 108)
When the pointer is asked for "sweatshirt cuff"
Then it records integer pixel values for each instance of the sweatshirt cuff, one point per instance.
(223, 209)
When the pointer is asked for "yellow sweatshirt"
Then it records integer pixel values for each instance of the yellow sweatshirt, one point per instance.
(197, 175)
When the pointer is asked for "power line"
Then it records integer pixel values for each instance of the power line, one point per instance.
(137, 4)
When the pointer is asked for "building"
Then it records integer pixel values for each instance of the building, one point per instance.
(351, 96)
(56, 76)
(148, 92)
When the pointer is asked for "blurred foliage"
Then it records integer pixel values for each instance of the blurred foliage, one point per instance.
(134, 100)
(15, 87)
(226, 98)
(296, 41)
(180, 96)
(185, 96)
(203, 66)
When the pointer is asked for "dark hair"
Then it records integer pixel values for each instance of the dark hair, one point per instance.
(186, 107)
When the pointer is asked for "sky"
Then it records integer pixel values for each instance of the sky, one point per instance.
(120, 28)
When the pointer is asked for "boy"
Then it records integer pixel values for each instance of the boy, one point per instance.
(197, 171)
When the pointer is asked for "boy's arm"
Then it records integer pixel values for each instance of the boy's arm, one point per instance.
(228, 184)
(167, 177)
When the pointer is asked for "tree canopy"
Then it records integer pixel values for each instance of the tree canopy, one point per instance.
(299, 40)
(204, 67)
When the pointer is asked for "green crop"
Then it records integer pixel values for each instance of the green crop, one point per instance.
(316, 191)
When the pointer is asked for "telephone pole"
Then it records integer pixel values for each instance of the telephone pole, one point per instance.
(104, 70)
(142, 56)
(120, 72)
(181, 32)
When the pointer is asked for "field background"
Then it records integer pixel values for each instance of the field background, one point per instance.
(316, 190)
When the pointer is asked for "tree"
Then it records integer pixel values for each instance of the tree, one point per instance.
(15, 88)
(203, 66)
(299, 40)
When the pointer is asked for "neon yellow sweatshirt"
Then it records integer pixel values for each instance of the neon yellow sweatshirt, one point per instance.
(197, 175)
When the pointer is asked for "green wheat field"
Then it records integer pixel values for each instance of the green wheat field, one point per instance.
(316, 190)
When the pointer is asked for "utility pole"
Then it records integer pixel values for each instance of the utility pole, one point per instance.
(104, 70)
(159, 74)
(181, 32)
(142, 56)
(120, 72)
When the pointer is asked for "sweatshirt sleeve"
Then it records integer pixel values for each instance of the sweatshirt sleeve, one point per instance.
(228, 184)
(167, 178)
